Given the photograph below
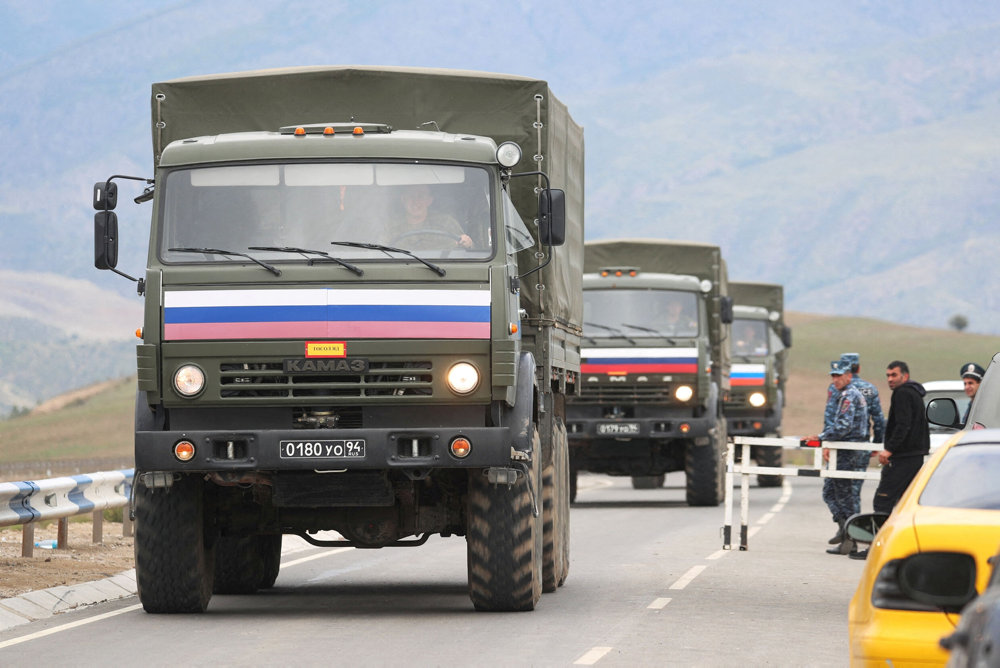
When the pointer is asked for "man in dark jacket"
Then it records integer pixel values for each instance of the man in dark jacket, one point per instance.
(907, 438)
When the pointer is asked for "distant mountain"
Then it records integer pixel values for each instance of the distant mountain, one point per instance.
(845, 148)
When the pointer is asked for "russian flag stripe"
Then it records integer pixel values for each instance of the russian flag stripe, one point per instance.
(319, 313)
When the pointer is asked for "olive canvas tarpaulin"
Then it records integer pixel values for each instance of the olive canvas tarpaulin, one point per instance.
(502, 107)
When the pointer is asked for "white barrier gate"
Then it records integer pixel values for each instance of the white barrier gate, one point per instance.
(745, 469)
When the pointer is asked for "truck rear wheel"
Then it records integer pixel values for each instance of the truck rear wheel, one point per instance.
(555, 512)
(504, 540)
(648, 481)
(239, 564)
(703, 467)
(174, 558)
(768, 456)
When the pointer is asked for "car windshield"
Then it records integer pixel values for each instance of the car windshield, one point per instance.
(749, 338)
(966, 477)
(436, 211)
(640, 313)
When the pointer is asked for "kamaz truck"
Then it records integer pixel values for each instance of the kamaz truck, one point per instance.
(760, 342)
(363, 313)
(655, 365)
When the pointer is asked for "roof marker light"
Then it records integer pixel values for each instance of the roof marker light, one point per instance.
(328, 131)
(358, 130)
(300, 132)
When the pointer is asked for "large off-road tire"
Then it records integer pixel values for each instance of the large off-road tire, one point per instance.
(648, 481)
(270, 551)
(555, 512)
(504, 540)
(705, 470)
(766, 455)
(239, 565)
(174, 556)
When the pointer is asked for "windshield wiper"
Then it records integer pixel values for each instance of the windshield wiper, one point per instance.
(652, 331)
(219, 251)
(306, 251)
(389, 249)
(616, 332)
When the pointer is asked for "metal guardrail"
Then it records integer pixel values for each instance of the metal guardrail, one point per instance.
(745, 469)
(59, 499)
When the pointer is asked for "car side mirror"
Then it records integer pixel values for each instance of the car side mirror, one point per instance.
(726, 310)
(552, 216)
(105, 240)
(943, 412)
(945, 580)
(862, 528)
(786, 336)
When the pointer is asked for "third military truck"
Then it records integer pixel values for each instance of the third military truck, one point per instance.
(362, 315)
(655, 365)
(760, 343)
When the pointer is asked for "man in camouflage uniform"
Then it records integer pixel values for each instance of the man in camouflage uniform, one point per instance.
(849, 422)
(870, 393)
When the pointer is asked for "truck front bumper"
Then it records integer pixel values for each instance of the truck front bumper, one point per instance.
(326, 449)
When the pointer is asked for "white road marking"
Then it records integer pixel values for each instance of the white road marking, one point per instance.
(718, 555)
(658, 604)
(67, 627)
(686, 579)
(592, 657)
(777, 508)
(320, 555)
(766, 518)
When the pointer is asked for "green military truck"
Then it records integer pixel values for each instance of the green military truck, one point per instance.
(655, 365)
(760, 342)
(363, 312)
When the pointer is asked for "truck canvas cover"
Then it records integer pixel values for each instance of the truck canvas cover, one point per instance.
(766, 295)
(503, 107)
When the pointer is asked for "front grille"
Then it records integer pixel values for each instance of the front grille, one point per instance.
(240, 380)
(631, 394)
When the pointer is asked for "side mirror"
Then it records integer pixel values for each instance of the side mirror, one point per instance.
(726, 310)
(105, 195)
(943, 579)
(786, 336)
(105, 240)
(943, 412)
(552, 217)
(863, 528)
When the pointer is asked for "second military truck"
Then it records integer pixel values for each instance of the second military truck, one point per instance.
(655, 365)
(362, 315)
(760, 342)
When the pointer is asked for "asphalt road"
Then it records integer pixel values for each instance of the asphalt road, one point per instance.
(649, 585)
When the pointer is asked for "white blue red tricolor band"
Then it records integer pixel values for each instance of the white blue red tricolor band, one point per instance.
(326, 313)
(618, 361)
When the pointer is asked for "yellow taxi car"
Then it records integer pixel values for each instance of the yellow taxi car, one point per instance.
(950, 512)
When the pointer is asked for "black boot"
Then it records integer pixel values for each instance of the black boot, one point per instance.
(839, 536)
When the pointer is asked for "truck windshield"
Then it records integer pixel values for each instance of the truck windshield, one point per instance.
(642, 313)
(436, 211)
(749, 338)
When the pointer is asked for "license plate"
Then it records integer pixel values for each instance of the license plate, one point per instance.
(618, 428)
(346, 449)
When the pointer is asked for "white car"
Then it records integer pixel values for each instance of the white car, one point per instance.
(951, 389)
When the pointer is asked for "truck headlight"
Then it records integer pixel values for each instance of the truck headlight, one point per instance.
(757, 399)
(683, 393)
(463, 378)
(189, 380)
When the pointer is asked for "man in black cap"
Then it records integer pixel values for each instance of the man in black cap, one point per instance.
(972, 376)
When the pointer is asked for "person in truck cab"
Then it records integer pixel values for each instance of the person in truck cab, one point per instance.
(420, 228)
